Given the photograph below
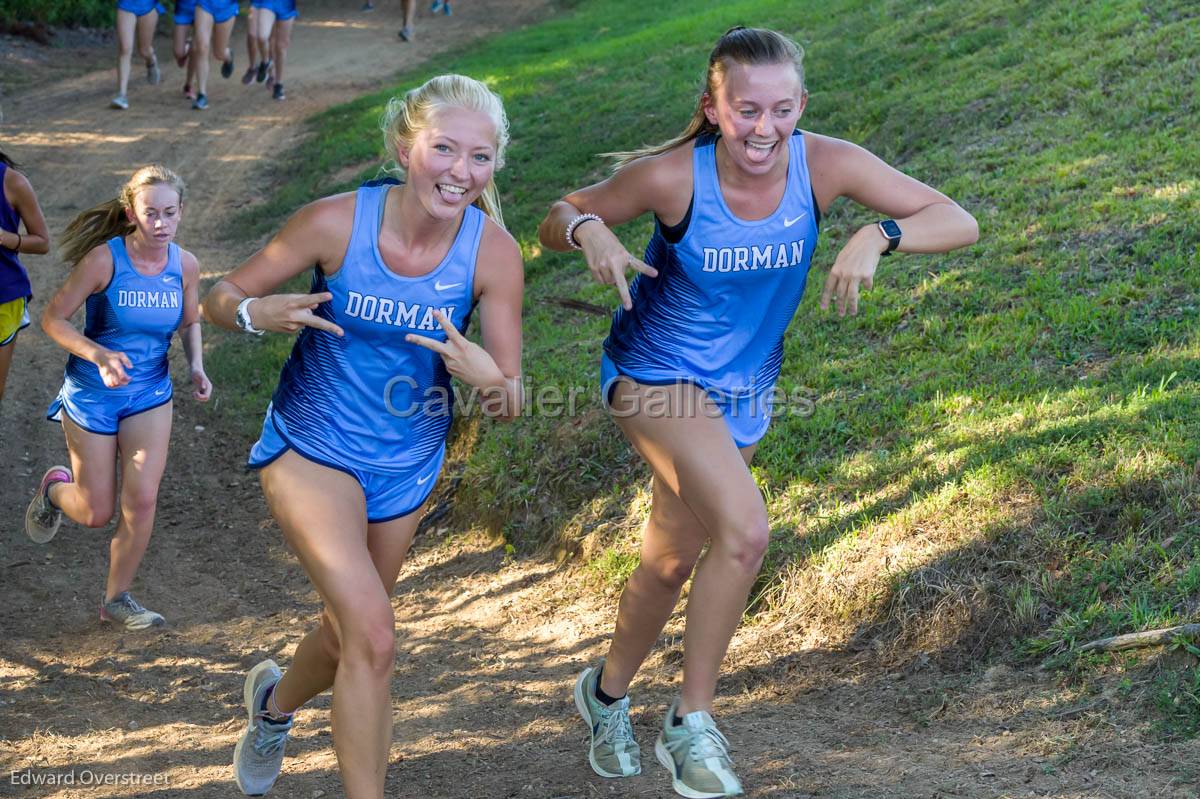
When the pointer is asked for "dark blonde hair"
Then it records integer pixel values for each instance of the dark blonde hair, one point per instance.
(99, 224)
(407, 116)
(738, 45)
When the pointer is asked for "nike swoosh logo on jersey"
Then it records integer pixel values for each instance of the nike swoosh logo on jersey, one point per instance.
(423, 480)
(790, 222)
(160, 392)
(440, 287)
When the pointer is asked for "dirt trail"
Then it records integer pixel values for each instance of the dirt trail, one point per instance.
(488, 647)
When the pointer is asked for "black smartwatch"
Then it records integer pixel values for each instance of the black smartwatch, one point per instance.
(891, 232)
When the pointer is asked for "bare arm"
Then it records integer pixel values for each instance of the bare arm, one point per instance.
(90, 275)
(316, 234)
(494, 368)
(659, 184)
(189, 328)
(929, 220)
(36, 238)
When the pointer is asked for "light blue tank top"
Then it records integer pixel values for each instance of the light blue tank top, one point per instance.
(370, 399)
(136, 315)
(726, 290)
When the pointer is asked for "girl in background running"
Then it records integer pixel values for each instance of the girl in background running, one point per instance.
(115, 404)
(214, 26)
(135, 19)
(274, 20)
(18, 204)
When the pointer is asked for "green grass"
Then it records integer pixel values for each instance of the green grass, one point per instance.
(1000, 461)
(70, 13)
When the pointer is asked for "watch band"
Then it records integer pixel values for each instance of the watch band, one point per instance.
(243, 317)
(891, 232)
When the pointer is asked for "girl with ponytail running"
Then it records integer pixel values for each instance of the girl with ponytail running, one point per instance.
(140, 288)
(355, 435)
(695, 347)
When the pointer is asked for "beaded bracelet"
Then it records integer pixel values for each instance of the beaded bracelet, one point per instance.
(576, 222)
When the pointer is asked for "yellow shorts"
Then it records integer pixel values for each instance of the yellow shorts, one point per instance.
(14, 317)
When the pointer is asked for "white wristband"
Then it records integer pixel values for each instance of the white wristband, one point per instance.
(576, 222)
(243, 316)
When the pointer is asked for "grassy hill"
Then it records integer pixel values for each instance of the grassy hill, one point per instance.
(997, 457)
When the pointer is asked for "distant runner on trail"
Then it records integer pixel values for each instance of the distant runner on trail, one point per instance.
(136, 19)
(213, 27)
(690, 363)
(355, 435)
(140, 288)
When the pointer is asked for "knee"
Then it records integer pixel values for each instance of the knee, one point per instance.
(746, 543)
(124, 50)
(99, 514)
(371, 642)
(139, 502)
(669, 571)
(200, 49)
(329, 638)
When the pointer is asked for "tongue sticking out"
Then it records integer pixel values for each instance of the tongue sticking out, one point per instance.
(759, 154)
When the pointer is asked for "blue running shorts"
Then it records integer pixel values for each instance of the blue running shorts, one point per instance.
(388, 496)
(100, 410)
(140, 8)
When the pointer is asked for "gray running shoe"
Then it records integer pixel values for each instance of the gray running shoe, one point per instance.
(153, 76)
(41, 517)
(124, 609)
(120, 102)
(613, 751)
(697, 755)
(201, 102)
(406, 33)
(258, 756)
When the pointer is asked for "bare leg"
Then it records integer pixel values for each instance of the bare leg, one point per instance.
(201, 47)
(280, 41)
(222, 33)
(315, 663)
(6, 356)
(91, 498)
(252, 37)
(142, 440)
(264, 21)
(146, 24)
(695, 462)
(323, 517)
(126, 23)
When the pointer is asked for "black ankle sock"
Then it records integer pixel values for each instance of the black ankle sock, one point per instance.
(603, 697)
(676, 720)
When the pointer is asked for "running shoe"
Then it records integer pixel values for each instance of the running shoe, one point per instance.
(188, 92)
(368, 6)
(277, 92)
(201, 102)
(42, 518)
(446, 8)
(613, 751)
(263, 69)
(227, 65)
(436, 6)
(181, 60)
(258, 756)
(153, 76)
(248, 75)
(125, 610)
(697, 755)
(121, 102)
(406, 33)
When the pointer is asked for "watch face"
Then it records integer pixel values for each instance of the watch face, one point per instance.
(890, 228)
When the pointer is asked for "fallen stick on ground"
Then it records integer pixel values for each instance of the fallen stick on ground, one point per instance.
(1146, 638)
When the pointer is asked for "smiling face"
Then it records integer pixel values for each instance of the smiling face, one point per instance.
(156, 213)
(756, 108)
(451, 160)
